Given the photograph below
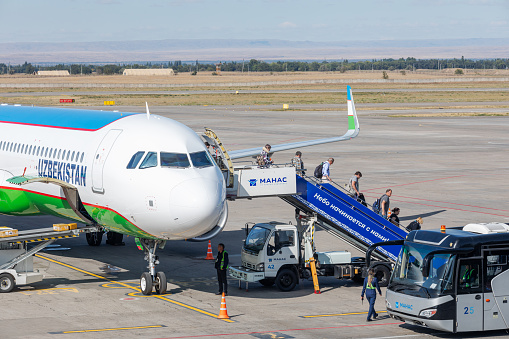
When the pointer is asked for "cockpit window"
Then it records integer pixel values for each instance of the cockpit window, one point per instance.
(149, 161)
(201, 159)
(174, 160)
(134, 160)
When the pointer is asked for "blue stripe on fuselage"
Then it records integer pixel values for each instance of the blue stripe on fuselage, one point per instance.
(79, 119)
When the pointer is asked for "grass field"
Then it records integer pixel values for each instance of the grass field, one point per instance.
(260, 81)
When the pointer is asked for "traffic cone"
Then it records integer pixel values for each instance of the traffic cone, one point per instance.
(223, 314)
(209, 256)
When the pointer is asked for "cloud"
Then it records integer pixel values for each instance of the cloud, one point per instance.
(287, 24)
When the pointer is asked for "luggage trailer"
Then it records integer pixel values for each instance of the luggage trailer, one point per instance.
(16, 253)
(453, 280)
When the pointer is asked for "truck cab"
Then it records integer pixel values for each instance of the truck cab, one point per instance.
(277, 253)
(271, 251)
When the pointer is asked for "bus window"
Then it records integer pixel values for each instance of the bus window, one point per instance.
(469, 279)
(496, 262)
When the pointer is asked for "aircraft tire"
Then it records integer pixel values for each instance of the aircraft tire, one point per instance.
(146, 283)
(114, 238)
(94, 238)
(6, 283)
(161, 285)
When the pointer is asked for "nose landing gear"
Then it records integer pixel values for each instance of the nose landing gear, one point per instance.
(151, 279)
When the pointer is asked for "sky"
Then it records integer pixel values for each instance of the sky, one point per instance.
(295, 20)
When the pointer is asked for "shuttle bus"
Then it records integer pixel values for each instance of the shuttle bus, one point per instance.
(454, 280)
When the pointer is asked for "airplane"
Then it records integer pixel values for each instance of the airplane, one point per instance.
(135, 174)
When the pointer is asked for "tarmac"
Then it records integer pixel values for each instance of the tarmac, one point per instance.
(450, 171)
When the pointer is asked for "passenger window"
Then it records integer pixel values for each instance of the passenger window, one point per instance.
(45, 152)
(201, 159)
(135, 159)
(68, 153)
(72, 156)
(59, 153)
(149, 161)
(82, 155)
(50, 152)
(38, 149)
(174, 160)
(30, 150)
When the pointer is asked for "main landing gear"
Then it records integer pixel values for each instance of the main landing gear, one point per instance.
(151, 279)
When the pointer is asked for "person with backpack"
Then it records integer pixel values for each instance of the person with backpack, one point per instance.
(323, 170)
(385, 202)
(415, 225)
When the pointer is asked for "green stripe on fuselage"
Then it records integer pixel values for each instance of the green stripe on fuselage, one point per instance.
(25, 203)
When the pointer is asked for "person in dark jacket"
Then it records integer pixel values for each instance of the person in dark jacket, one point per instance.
(370, 284)
(222, 268)
(415, 225)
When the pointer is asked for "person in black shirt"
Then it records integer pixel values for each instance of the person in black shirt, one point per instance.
(394, 216)
(222, 269)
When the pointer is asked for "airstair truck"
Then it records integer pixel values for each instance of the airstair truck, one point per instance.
(277, 253)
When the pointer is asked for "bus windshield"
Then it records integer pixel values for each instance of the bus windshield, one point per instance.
(256, 239)
(407, 277)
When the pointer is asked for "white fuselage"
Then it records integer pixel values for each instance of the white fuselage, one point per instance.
(157, 201)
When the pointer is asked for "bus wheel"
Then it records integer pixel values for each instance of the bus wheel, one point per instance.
(383, 274)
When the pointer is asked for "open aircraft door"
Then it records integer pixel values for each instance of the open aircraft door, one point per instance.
(100, 157)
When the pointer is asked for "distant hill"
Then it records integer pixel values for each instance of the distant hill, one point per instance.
(237, 49)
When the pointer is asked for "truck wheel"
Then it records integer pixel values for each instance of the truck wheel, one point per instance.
(267, 282)
(286, 280)
(383, 274)
(6, 283)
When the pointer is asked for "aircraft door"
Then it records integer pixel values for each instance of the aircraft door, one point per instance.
(469, 305)
(100, 157)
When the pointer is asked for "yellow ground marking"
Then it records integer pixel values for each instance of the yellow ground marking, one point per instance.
(49, 291)
(111, 285)
(114, 329)
(337, 315)
(131, 287)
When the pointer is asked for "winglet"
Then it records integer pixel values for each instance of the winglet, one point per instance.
(353, 122)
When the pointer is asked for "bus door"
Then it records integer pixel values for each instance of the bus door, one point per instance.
(469, 295)
(496, 288)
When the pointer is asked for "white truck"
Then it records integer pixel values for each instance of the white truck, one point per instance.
(279, 253)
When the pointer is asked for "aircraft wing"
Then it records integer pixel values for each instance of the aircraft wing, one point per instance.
(353, 131)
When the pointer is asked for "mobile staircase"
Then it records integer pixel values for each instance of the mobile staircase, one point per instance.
(345, 218)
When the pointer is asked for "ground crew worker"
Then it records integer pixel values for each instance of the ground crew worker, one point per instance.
(370, 284)
(222, 268)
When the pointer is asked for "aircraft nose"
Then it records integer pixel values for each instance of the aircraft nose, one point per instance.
(195, 206)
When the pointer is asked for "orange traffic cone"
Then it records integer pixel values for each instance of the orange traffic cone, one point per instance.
(209, 256)
(223, 314)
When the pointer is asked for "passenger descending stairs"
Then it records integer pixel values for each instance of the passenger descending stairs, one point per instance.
(345, 218)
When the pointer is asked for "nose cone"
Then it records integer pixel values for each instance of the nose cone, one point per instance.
(195, 206)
